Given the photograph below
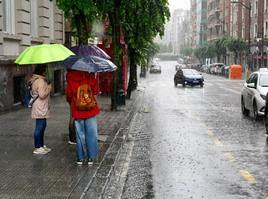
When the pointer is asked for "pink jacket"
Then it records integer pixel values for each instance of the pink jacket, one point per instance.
(40, 87)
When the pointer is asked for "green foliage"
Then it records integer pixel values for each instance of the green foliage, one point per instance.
(142, 21)
(186, 51)
(82, 14)
(205, 51)
(220, 48)
(236, 45)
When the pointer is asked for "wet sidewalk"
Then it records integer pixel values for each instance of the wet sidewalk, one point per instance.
(56, 175)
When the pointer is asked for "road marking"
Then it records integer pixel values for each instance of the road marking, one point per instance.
(230, 157)
(248, 177)
(217, 142)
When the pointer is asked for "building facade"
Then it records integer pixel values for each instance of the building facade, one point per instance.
(201, 22)
(193, 25)
(24, 23)
(216, 19)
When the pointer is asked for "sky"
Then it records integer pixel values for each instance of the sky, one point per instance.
(174, 4)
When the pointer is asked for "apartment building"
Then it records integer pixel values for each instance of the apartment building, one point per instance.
(201, 22)
(253, 29)
(193, 25)
(216, 19)
(25, 23)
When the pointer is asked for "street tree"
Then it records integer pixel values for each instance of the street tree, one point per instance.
(220, 48)
(139, 20)
(205, 51)
(142, 21)
(186, 51)
(81, 15)
(235, 45)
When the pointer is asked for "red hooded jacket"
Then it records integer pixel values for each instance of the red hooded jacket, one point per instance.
(74, 80)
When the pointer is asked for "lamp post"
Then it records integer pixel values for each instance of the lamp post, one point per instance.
(248, 7)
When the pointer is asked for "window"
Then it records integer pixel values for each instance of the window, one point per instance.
(255, 30)
(9, 16)
(18, 89)
(256, 7)
(266, 29)
(34, 18)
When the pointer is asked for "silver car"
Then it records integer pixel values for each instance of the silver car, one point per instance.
(254, 93)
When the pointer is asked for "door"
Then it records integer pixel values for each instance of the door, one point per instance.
(249, 94)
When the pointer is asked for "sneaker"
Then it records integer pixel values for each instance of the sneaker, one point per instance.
(46, 148)
(79, 162)
(90, 162)
(72, 143)
(40, 150)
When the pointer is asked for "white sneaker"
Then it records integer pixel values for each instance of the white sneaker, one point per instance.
(72, 143)
(46, 148)
(40, 150)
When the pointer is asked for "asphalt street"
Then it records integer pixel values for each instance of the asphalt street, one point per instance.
(194, 142)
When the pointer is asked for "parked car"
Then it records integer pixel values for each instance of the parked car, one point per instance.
(254, 93)
(188, 77)
(155, 68)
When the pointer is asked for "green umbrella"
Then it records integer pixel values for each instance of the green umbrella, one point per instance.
(44, 53)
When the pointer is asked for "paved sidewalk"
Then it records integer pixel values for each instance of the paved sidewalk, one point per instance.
(55, 175)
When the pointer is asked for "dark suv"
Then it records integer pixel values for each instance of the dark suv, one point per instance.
(188, 77)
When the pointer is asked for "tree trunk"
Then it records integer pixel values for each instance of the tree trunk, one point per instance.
(132, 83)
(117, 57)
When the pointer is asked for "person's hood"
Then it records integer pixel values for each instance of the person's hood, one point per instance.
(76, 75)
(34, 77)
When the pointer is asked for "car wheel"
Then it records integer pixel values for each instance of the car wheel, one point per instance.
(175, 84)
(243, 108)
(201, 84)
(183, 84)
(255, 111)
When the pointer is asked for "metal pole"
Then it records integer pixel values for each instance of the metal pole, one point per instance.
(249, 44)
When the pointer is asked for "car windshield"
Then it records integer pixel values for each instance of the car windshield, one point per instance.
(264, 80)
(190, 72)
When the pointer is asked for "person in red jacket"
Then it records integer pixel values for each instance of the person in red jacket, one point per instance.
(85, 121)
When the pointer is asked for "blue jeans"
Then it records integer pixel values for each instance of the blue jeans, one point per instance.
(40, 126)
(86, 138)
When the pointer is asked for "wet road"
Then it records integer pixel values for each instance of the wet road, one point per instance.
(200, 144)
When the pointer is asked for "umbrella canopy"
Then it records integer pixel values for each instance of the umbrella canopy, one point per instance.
(91, 64)
(92, 50)
(44, 53)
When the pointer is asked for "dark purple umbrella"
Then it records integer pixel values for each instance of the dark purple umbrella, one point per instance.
(91, 50)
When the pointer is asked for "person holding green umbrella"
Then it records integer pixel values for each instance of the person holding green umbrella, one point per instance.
(41, 88)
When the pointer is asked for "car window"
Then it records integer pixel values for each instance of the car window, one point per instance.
(251, 78)
(255, 79)
(264, 80)
(190, 72)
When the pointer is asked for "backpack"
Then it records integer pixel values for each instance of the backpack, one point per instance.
(84, 100)
(28, 98)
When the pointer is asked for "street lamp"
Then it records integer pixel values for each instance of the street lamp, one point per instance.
(248, 7)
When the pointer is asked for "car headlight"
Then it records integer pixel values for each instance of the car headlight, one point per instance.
(263, 96)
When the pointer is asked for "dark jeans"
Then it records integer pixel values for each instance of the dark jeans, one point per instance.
(72, 134)
(39, 131)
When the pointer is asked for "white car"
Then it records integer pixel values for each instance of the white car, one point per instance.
(254, 93)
